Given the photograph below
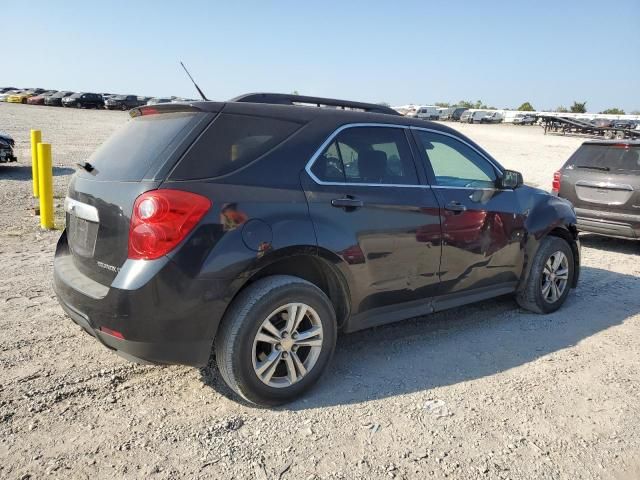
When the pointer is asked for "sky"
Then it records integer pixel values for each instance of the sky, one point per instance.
(504, 53)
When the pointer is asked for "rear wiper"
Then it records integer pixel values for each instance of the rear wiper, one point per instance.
(594, 167)
(86, 166)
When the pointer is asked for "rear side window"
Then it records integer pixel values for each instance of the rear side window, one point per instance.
(231, 142)
(142, 143)
(611, 157)
(372, 155)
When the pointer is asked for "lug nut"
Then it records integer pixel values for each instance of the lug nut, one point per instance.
(284, 334)
(285, 354)
(294, 336)
(278, 347)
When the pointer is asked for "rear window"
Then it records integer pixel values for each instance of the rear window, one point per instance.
(613, 157)
(142, 143)
(231, 142)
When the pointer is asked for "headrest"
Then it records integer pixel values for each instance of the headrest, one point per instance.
(372, 165)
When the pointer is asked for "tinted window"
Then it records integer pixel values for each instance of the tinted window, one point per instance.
(613, 157)
(231, 142)
(375, 155)
(328, 166)
(454, 163)
(140, 144)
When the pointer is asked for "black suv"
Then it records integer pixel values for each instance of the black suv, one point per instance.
(83, 100)
(123, 102)
(263, 226)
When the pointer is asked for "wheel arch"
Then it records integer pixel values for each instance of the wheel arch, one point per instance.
(567, 232)
(322, 269)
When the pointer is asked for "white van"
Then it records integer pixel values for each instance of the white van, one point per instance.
(473, 116)
(427, 112)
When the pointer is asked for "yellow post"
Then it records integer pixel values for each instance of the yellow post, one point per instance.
(36, 138)
(45, 186)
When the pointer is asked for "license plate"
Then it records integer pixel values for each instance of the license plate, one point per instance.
(82, 236)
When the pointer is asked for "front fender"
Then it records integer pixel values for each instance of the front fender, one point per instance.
(547, 214)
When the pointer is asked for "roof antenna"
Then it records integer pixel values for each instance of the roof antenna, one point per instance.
(194, 83)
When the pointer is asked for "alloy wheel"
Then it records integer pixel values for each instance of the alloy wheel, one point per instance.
(287, 345)
(555, 277)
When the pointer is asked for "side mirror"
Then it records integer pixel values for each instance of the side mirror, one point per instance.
(510, 180)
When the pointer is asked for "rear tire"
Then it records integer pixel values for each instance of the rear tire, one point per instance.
(550, 278)
(258, 358)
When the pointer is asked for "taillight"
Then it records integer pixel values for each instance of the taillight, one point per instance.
(161, 219)
(555, 185)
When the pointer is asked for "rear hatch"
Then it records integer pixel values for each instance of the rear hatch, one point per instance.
(603, 176)
(135, 159)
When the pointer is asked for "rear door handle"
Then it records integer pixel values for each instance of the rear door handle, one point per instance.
(346, 202)
(455, 206)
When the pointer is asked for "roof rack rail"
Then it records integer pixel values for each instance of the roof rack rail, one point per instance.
(286, 99)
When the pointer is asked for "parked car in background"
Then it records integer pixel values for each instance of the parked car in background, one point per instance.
(601, 122)
(625, 124)
(524, 119)
(454, 114)
(123, 102)
(183, 100)
(55, 100)
(7, 94)
(472, 116)
(259, 229)
(159, 100)
(21, 97)
(6, 148)
(425, 112)
(492, 117)
(83, 100)
(8, 89)
(602, 180)
(39, 99)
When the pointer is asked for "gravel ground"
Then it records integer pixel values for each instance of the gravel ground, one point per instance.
(487, 391)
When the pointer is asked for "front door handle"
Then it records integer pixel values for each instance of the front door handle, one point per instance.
(347, 203)
(455, 207)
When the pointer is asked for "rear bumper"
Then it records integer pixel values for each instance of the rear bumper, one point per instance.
(164, 316)
(608, 223)
(156, 352)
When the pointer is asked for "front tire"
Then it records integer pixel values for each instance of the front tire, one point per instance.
(276, 340)
(551, 277)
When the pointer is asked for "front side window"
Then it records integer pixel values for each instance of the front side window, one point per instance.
(371, 155)
(454, 163)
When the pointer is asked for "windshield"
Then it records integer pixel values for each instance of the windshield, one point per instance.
(614, 157)
(76, 95)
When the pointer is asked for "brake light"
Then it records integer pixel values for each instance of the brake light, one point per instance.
(161, 219)
(555, 185)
